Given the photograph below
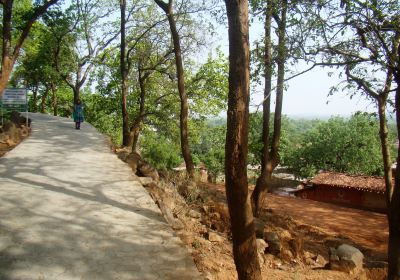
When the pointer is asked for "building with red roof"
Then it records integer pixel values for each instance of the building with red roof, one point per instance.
(363, 192)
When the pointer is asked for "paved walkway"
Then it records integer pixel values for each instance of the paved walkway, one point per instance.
(69, 209)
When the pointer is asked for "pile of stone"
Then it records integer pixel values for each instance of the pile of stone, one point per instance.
(139, 166)
(278, 244)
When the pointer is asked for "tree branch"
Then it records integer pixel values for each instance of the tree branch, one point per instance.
(164, 6)
(361, 83)
(38, 11)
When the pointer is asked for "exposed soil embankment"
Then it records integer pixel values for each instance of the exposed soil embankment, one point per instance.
(13, 132)
(289, 247)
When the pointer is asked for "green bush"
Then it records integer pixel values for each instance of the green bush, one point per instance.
(159, 151)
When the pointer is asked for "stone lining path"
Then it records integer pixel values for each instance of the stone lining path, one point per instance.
(69, 209)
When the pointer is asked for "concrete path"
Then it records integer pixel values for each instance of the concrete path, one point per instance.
(69, 209)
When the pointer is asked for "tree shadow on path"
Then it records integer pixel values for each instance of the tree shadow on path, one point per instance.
(71, 210)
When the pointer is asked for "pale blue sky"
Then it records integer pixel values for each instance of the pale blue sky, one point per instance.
(306, 95)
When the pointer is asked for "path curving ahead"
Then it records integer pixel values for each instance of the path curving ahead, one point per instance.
(70, 209)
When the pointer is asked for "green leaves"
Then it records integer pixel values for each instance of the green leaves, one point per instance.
(255, 141)
(342, 145)
(160, 151)
(211, 148)
(208, 87)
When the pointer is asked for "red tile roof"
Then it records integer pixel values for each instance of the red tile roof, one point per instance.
(341, 180)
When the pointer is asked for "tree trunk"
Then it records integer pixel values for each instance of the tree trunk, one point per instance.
(271, 158)
(135, 139)
(54, 101)
(76, 92)
(124, 77)
(256, 197)
(394, 206)
(43, 103)
(6, 69)
(384, 139)
(134, 134)
(7, 62)
(35, 100)
(280, 85)
(183, 97)
(184, 131)
(137, 124)
(243, 236)
(139, 121)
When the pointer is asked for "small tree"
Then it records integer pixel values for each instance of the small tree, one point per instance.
(270, 154)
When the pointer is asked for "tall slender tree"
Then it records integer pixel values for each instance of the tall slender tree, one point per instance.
(184, 130)
(270, 154)
(264, 177)
(394, 211)
(144, 73)
(124, 76)
(243, 236)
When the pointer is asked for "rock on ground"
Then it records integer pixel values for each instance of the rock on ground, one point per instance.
(346, 258)
(215, 237)
(274, 244)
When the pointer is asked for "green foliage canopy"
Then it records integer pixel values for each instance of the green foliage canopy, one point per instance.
(342, 145)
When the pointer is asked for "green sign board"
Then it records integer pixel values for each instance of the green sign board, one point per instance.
(14, 107)
(14, 96)
(14, 99)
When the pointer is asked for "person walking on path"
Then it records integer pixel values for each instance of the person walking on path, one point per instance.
(78, 114)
